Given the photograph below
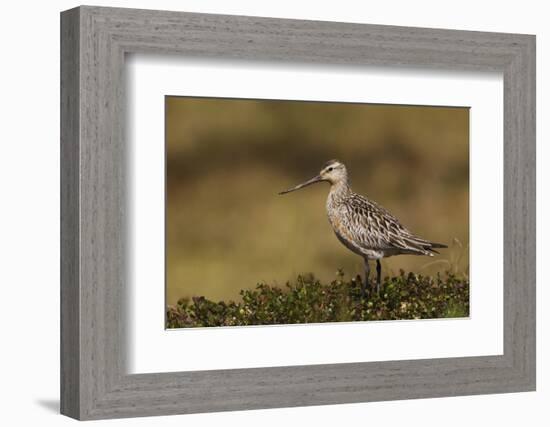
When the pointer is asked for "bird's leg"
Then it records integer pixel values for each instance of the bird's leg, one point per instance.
(365, 284)
(378, 273)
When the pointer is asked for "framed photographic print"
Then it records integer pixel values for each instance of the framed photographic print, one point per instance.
(264, 140)
(261, 213)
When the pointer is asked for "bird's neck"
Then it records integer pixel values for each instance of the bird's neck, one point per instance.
(339, 190)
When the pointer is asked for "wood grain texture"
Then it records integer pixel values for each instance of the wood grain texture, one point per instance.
(70, 221)
(94, 272)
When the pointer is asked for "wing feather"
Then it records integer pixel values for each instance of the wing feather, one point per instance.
(376, 228)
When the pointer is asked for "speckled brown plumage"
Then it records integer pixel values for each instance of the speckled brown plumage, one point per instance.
(362, 225)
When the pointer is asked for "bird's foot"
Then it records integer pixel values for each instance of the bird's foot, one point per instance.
(364, 286)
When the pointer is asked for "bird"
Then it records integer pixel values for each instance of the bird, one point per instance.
(362, 225)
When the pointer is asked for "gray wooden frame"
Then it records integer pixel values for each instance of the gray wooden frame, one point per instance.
(94, 41)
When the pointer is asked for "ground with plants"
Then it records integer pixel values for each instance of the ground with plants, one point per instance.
(307, 300)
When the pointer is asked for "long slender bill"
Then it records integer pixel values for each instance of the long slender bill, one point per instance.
(304, 184)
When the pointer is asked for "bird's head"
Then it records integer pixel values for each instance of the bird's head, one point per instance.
(333, 171)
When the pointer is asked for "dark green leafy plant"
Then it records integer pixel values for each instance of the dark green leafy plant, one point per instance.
(407, 296)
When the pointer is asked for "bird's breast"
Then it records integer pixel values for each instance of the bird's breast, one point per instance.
(338, 220)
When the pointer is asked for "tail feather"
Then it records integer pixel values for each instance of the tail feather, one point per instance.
(431, 245)
(421, 246)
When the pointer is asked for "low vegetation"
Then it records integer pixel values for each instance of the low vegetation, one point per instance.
(406, 296)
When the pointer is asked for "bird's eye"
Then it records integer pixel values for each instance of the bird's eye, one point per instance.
(330, 169)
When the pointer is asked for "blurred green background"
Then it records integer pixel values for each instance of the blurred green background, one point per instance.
(226, 227)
